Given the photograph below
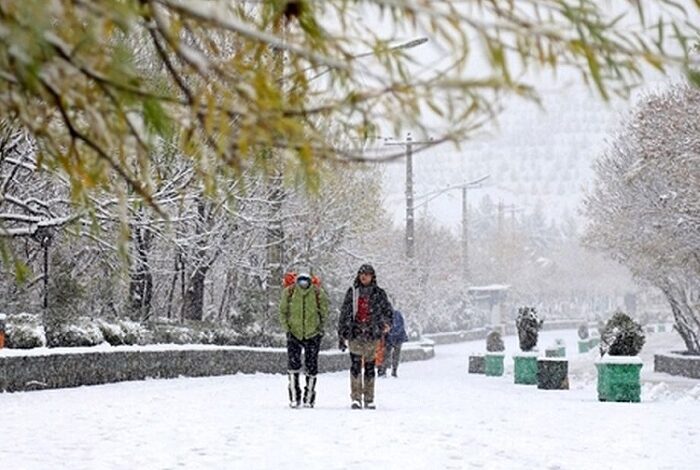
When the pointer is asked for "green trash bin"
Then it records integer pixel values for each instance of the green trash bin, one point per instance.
(493, 364)
(525, 368)
(619, 379)
(583, 346)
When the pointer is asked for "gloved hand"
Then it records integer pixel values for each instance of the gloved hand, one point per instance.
(342, 344)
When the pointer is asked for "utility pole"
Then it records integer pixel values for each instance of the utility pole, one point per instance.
(465, 237)
(465, 187)
(500, 239)
(410, 226)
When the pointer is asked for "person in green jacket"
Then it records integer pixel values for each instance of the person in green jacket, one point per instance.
(303, 315)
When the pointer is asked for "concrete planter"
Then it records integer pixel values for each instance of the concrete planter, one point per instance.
(552, 373)
(525, 368)
(476, 364)
(618, 378)
(493, 364)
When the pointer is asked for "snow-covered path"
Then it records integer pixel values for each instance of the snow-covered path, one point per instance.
(433, 416)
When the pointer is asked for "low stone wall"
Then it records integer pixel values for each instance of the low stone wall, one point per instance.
(457, 336)
(507, 328)
(677, 363)
(72, 369)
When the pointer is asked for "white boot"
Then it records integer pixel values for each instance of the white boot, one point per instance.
(310, 391)
(294, 389)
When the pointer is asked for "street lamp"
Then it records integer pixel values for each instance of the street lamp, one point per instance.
(465, 227)
(408, 144)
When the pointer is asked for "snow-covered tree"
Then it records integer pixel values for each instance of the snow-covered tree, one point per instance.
(96, 82)
(645, 209)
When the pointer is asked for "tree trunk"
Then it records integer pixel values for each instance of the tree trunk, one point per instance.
(275, 251)
(686, 318)
(193, 308)
(141, 282)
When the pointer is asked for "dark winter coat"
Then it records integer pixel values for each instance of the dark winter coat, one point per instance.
(381, 313)
(397, 334)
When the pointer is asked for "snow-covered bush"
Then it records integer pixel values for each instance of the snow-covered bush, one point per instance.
(621, 336)
(263, 339)
(24, 331)
(79, 331)
(494, 342)
(583, 332)
(172, 334)
(528, 325)
(123, 332)
(225, 337)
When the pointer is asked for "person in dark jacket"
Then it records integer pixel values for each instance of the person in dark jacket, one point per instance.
(365, 316)
(392, 346)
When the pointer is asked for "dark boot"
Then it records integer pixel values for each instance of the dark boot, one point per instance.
(310, 391)
(294, 389)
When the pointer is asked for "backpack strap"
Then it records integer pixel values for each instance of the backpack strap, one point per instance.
(290, 293)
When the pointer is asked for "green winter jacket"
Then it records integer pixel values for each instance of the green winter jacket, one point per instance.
(303, 312)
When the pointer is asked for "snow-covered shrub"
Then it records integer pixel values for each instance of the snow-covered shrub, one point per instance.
(173, 334)
(621, 336)
(254, 337)
(134, 332)
(528, 325)
(494, 342)
(79, 331)
(225, 337)
(123, 332)
(24, 331)
(583, 332)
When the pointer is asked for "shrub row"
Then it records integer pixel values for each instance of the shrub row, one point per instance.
(26, 331)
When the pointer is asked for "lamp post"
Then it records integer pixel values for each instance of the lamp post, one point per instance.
(465, 211)
(408, 144)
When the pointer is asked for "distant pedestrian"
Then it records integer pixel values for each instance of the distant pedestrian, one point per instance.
(365, 316)
(303, 315)
(392, 348)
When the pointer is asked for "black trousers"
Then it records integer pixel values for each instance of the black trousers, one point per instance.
(310, 346)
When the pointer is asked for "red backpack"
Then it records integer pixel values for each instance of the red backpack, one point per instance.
(290, 279)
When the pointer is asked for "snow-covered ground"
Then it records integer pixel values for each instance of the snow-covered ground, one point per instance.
(433, 416)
